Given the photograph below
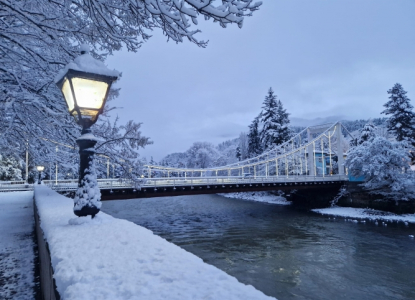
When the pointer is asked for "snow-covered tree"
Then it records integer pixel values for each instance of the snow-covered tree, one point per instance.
(254, 139)
(401, 120)
(39, 37)
(367, 133)
(274, 121)
(176, 160)
(385, 166)
(121, 144)
(243, 145)
(201, 155)
(238, 154)
(10, 168)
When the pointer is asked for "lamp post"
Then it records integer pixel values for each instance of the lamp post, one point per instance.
(85, 83)
(40, 170)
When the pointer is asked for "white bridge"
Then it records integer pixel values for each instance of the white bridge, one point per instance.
(316, 151)
(313, 156)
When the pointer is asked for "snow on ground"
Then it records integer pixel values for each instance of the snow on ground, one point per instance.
(365, 213)
(258, 196)
(16, 245)
(109, 258)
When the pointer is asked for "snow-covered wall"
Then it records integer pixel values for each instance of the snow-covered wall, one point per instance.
(47, 285)
(109, 258)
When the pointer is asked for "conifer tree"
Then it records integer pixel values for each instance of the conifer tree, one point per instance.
(238, 153)
(367, 133)
(254, 141)
(401, 122)
(275, 122)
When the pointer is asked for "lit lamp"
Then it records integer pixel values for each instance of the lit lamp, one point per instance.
(40, 170)
(85, 84)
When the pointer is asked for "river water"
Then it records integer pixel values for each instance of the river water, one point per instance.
(284, 252)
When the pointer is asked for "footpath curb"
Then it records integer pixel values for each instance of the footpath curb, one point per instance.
(48, 289)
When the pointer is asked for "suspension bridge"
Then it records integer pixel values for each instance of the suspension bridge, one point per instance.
(312, 159)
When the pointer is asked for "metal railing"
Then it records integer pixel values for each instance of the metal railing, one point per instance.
(72, 184)
(194, 181)
(21, 185)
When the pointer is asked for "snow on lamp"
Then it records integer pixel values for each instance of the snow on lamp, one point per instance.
(85, 84)
(40, 170)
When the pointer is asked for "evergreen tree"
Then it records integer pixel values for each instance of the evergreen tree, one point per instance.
(238, 153)
(367, 133)
(254, 140)
(243, 145)
(10, 169)
(274, 121)
(401, 122)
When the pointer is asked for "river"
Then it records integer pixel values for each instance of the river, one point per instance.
(284, 252)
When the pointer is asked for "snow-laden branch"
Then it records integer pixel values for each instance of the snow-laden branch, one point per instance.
(38, 37)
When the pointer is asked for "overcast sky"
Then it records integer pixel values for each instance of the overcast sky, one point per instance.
(322, 58)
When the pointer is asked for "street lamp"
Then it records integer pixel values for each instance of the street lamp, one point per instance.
(40, 170)
(85, 84)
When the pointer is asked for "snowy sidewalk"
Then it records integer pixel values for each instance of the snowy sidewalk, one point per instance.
(16, 245)
(109, 258)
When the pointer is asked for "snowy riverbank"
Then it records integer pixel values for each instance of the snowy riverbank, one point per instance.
(258, 196)
(109, 258)
(17, 280)
(365, 213)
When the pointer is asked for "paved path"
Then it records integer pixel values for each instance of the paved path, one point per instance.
(17, 256)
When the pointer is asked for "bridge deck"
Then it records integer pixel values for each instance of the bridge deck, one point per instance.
(112, 189)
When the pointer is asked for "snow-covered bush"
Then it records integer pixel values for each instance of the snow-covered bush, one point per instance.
(385, 166)
(10, 169)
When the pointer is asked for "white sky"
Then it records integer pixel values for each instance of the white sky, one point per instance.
(322, 58)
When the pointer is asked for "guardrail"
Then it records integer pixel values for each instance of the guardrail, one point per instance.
(8, 186)
(72, 184)
(191, 181)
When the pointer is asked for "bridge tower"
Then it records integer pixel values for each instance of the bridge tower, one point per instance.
(340, 159)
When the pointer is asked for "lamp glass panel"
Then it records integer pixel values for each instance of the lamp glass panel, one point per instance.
(66, 89)
(89, 93)
(89, 113)
(40, 168)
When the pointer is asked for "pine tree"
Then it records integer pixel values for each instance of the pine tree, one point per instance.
(367, 133)
(274, 121)
(243, 145)
(401, 122)
(10, 169)
(238, 153)
(254, 141)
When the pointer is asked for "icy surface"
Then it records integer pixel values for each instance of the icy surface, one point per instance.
(365, 213)
(109, 258)
(258, 196)
(16, 245)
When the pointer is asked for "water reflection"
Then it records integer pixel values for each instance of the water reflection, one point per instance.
(285, 253)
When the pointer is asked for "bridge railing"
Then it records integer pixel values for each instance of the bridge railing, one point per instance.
(189, 181)
(18, 185)
(71, 184)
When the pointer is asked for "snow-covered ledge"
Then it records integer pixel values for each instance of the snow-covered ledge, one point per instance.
(109, 258)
